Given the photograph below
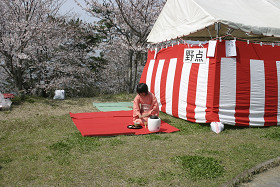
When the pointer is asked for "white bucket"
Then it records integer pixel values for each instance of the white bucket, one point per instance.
(154, 124)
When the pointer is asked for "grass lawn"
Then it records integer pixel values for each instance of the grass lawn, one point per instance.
(40, 146)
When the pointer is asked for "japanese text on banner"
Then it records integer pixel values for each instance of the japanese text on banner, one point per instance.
(195, 55)
(230, 48)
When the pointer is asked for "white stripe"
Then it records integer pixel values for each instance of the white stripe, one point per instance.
(257, 93)
(149, 74)
(278, 77)
(183, 92)
(169, 85)
(227, 91)
(157, 81)
(201, 92)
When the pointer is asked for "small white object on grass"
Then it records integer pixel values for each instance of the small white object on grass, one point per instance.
(217, 127)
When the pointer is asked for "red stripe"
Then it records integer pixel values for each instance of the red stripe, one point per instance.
(242, 107)
(176, 88)
(213, 87)
(213, 92)
(216, 100)
(163, 85)
(145, 70)
(192, 93)
(154, 77)
(271, 93)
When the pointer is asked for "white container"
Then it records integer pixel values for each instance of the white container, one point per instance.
(154, 124)
(59, 94)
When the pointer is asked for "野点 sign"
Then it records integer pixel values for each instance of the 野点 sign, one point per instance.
(195, 55)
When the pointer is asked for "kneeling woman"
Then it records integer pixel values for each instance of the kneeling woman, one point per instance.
(144, 105)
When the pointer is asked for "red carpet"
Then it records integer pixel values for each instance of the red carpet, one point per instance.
(111, 123)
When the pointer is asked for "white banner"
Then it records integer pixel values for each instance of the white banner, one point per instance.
(195, 55)
(211, 48)
(230, 48)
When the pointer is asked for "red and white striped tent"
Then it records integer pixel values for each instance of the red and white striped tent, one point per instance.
(241, 90)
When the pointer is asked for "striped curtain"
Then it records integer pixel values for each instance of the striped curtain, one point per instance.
(241, 90)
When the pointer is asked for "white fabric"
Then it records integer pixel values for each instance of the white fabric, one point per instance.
(149, 74)
(230, 48)
(278, 78)
(201, 92)
(169, 84)
(1, 98)
(183, 92)
(227, 91)
(183, 17)
(5, 104)
(257, 93)
(157, 81)
(274, 3)
(211, 48)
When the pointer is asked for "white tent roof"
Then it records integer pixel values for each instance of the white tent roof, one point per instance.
(195, 19)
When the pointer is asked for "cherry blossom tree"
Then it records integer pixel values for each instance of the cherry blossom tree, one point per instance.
(126, 25)
(22, 22)
(40, 51)
(72, 64)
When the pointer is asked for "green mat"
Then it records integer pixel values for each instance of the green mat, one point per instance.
(104, 107)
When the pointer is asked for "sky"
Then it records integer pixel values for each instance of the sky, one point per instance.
(71, 7)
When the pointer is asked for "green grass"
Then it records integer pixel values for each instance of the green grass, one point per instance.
(199, 167)
(40, 146)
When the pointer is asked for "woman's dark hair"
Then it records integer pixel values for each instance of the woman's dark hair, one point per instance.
(142, 88)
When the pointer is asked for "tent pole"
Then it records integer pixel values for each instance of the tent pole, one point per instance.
(209, 33)
(217, 28)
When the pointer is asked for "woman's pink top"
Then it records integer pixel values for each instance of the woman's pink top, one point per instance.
(144, 104)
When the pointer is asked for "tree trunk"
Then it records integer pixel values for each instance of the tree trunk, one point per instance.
(136, 62)
(19, 81)
(18, 77)
(129, 76)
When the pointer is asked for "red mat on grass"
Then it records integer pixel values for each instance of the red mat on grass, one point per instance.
(111, 123)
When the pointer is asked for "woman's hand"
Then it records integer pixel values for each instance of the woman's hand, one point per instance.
(145, 115)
